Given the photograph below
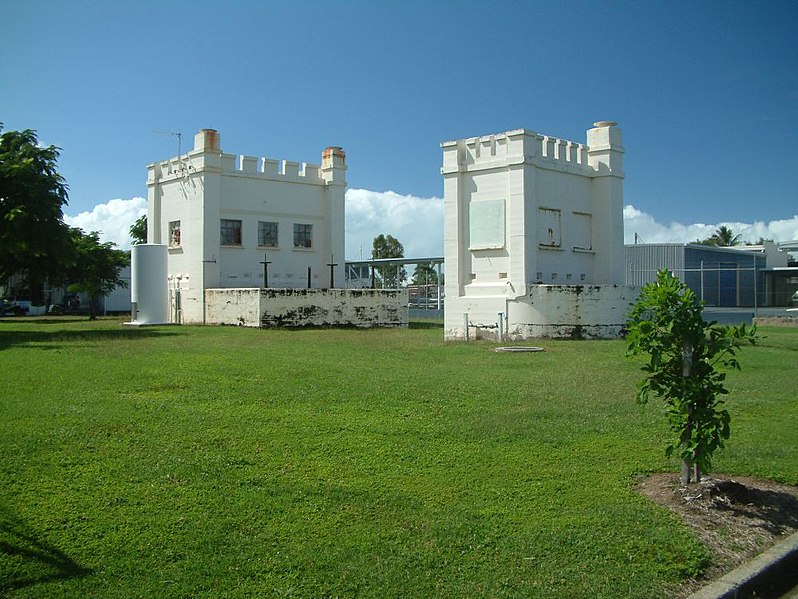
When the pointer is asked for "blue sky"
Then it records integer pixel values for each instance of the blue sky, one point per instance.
(706, 93)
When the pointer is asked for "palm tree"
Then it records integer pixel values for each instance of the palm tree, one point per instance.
(723, 237)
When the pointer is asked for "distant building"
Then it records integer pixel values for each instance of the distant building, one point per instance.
(224, 216)
(722, 277)
(533, 235)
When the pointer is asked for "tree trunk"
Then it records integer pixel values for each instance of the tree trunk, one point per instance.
(93, 308)
(685, 475)
(687, 370)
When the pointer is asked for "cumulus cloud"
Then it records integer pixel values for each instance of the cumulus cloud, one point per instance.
(112, 220)
(418, 223)
(649, 230)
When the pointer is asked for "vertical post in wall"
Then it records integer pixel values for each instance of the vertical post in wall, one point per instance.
(332, 266)
(439, 286)
(756, 303)
(265, 271)
(308, 277)
(702, 280)
(202, 290)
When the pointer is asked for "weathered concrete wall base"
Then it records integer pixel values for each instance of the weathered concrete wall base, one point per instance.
(567, 331)
(548, 311)
(307, 307)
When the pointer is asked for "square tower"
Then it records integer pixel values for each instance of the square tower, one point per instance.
(524, 213)
(225, 216)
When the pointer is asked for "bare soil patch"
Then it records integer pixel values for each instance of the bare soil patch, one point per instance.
(736, 518)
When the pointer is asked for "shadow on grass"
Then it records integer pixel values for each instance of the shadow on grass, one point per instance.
(57, 338)
(426, 324)
(34, 561)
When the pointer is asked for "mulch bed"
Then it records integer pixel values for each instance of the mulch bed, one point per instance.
(736, 518)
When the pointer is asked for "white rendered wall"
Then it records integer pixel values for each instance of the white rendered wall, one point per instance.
(119, 299)
(307, 307)
(553, 311)
(523, 210)
(206, 185)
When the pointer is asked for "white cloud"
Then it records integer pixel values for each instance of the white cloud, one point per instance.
(650, 231)
(112, 220)
(416, 222)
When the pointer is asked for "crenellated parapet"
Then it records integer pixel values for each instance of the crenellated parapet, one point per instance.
(208, 157)
(522, 146)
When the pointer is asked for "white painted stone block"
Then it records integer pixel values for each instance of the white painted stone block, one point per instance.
(308, 307)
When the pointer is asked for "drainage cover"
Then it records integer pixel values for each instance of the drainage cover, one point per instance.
(519, 348)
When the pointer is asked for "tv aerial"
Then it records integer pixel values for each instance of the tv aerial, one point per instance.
(176, 134)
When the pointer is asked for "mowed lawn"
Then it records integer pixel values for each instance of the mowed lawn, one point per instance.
(231, 462)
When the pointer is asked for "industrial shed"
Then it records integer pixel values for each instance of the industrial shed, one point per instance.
(723, 277)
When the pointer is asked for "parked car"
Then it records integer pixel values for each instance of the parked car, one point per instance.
(794, 300)
(12, 309)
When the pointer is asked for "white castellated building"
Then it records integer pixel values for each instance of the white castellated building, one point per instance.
(533, 236)
(222, 216)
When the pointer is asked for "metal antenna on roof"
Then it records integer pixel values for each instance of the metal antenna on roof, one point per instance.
(176, 134)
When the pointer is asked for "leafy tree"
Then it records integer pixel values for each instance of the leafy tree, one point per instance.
(425, 274)
(34, 240)
(95, 271)
(686, 355)
(387, 246)
(138, 230)
(723, 237)
(761, 241)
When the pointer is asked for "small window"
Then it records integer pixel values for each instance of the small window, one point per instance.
(230, 232)
(267, 234)
(303, 236)
(548, 227)
(582, 231)
(174, 233)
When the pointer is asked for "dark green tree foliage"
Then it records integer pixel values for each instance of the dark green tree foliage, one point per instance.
(34, 241)
(722, 237)
(390, 276)
(425, 274)
(138, 230)
(687, 359)
(95, 271)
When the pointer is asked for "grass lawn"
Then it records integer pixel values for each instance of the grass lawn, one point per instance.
(232, 462)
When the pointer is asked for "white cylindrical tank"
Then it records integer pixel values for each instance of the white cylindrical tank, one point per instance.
(149, 289)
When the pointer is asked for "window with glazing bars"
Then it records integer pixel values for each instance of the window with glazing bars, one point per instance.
(303, 236)
(267, 234)
(230, 232)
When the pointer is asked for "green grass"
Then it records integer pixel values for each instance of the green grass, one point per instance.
(230, 462)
